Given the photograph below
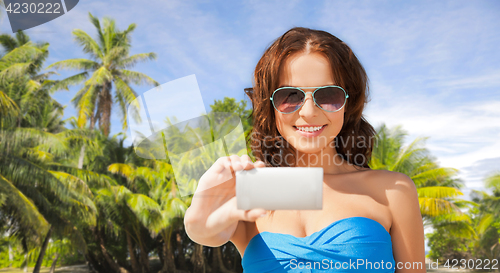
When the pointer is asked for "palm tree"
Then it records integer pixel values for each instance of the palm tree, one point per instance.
(158, 183)
(478, 230)
(40, 198)
(435, 186)
(36, 198)
(23, 83)
(14, 82)
(487, 241)
(107, 67)
(193, 154)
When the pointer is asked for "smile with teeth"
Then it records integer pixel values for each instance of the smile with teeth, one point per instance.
(309, 128)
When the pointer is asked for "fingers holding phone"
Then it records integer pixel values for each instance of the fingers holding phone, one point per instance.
(213, 208)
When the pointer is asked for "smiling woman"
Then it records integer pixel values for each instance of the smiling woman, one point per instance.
(291, 61)
(308, 98)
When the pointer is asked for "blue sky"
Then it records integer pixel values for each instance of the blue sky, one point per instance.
(434, 66)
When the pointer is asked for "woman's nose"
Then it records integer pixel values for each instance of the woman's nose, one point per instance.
(309, 107)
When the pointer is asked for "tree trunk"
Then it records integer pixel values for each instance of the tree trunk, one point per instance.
(217, 263)
(160, 254)
(82, 150)
(39, 261)
(25, 262)
(106, 255)
(54, 263)
(104, 108)
(144, 258)
(198, 259)
(180, 250)
(82, 156)
(168, 258)
(93, 263)
(131, 250)
(11, 255)
(236, 260)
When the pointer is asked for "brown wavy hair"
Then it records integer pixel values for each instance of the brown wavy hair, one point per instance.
(265, 139)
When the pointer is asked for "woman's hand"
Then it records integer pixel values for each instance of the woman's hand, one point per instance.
(213, 217)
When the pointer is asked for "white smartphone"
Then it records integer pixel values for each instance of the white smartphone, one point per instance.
(280, 188)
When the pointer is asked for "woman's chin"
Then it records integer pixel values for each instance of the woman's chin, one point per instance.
(309, 149)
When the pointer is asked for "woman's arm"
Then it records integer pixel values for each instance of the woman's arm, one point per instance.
(213, 217)
(407, 230)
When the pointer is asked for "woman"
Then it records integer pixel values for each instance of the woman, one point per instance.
(368, 216)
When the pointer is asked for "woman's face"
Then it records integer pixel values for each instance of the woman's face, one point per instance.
(308, 70)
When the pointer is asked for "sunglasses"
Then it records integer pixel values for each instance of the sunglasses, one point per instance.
(330, 98)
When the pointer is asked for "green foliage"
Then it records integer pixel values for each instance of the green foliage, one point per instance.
(493, 183)
(107, 68)
(68, 254)
(447, 246)
(475, 234)
(116, 208)
(229, 105)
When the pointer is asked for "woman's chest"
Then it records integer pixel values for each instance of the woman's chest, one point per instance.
(349, 227)
(337, 204)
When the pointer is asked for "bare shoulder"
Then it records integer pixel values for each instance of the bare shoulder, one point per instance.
(392, 181)
(402, 195)
(407, 231)
(398, 188)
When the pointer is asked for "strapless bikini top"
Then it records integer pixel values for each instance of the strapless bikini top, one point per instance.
(354, 244)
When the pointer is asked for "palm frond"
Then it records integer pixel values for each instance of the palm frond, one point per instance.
(75, 64)
(26, 212)
(15, 71)
(114, 55)
(90, 46)
(21, 138)
(92, 179)
(438, 192)
(493, 181)
(485, 223)
(100, 77)
(86, 105)
(125, 95)
(123, 169)
(404, 158)
(8, 42)
(69, 81)
(136, 77)
(97, 25)
(20, 54)
(435, 206)
(8, 108)
(135, 59)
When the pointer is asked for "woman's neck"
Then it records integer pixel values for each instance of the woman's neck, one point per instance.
(327, 158)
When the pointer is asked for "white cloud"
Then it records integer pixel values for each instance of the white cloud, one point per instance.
(486, 80)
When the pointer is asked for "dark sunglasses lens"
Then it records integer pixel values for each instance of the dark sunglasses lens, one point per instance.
(330, 98)
(288, 100)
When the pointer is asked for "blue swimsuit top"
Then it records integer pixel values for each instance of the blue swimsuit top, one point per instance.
(354, 244)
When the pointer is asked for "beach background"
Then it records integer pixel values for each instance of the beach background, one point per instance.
(434, 66)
